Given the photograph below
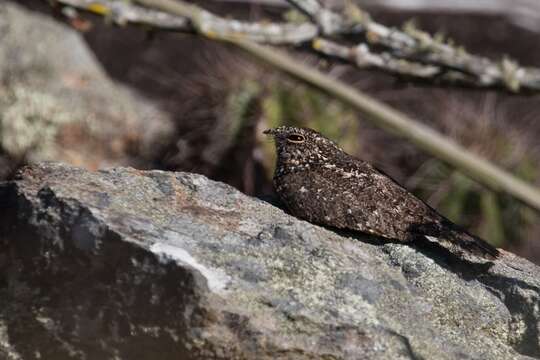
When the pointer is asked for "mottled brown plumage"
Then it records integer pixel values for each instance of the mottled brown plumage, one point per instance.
(322, 184)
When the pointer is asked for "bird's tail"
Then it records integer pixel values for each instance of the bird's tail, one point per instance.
(461, 243)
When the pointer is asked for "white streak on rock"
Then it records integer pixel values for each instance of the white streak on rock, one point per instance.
(216, 279)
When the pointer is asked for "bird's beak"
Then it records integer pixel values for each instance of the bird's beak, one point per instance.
(269, 132)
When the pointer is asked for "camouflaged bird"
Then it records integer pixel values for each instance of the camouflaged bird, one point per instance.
(322, 184)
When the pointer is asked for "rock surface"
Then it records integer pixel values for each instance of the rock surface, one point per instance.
(129, 264)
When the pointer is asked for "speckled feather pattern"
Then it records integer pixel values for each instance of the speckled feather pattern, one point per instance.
(322, 184)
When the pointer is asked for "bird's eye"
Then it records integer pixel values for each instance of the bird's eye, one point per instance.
(295, 138)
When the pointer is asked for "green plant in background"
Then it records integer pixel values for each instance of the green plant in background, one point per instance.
(224, 109)
(239, 106)
(495, 217)
(286, 104)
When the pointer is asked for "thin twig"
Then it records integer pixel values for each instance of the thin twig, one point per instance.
(362, 56)
(122, 13)
(330, 22)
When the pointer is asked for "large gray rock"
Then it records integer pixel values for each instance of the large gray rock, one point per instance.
(128, 264)
(57, 103)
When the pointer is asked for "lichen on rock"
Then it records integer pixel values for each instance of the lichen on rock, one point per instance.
(29, 123)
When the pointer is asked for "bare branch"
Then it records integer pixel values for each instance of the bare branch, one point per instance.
(362, 56)
(270, 33)
(328, 21)
(418, 46)
(121, 13)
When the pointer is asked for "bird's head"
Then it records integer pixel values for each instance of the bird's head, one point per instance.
(300, 147)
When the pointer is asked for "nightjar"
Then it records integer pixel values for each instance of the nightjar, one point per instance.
(318, 182)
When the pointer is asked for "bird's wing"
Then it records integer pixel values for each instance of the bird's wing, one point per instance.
(354, 196)
(417, 218)
(357, 196)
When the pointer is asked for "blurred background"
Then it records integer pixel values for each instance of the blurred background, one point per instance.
(85, 92)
